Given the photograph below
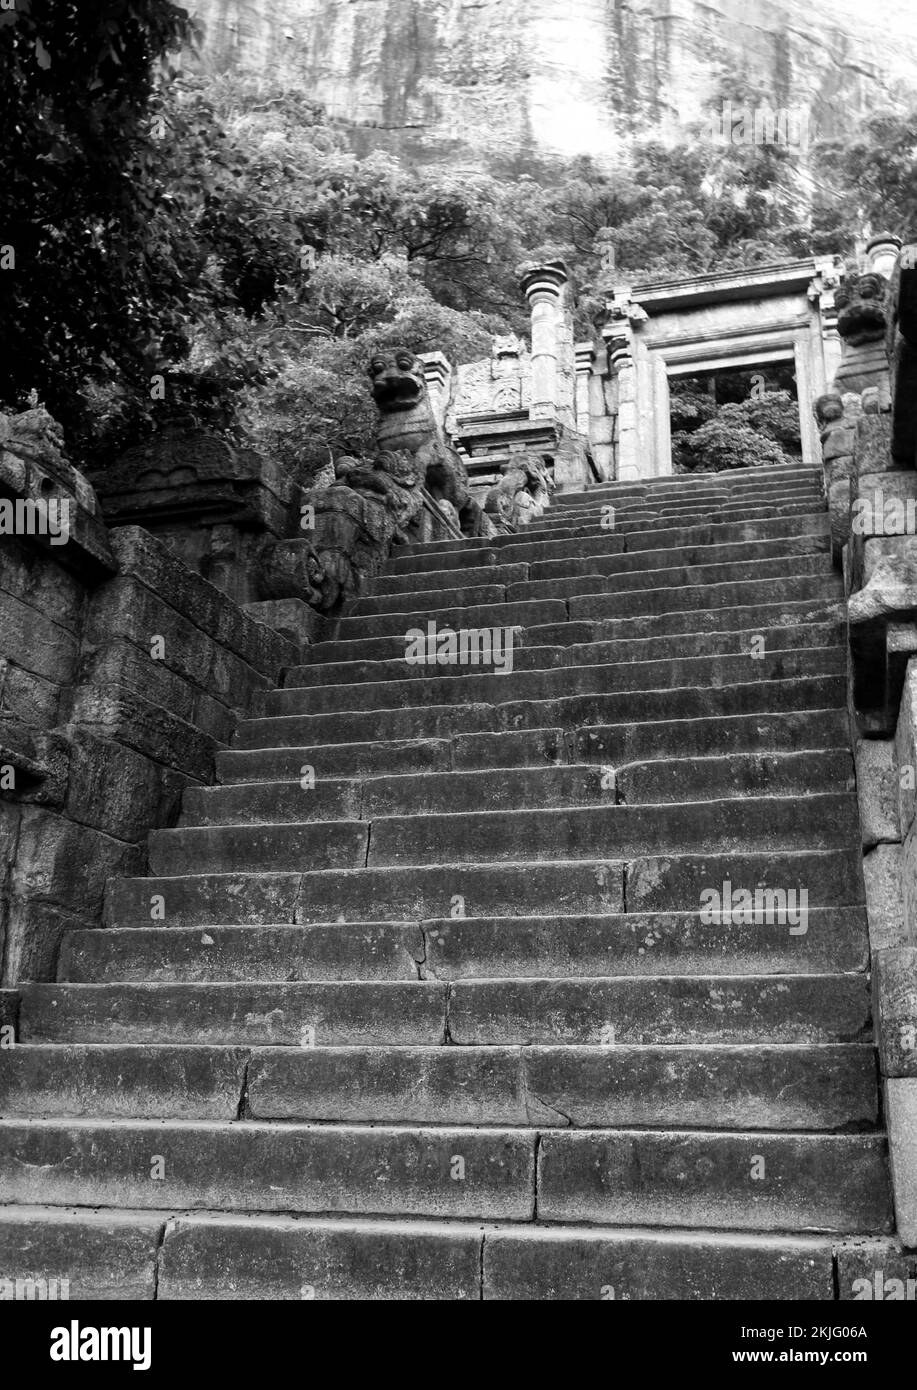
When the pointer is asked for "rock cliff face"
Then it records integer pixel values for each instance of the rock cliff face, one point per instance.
(513, 82)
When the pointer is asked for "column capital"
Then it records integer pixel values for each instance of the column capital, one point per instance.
(543, 282)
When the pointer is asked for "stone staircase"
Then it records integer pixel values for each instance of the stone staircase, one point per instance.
(448, 1023)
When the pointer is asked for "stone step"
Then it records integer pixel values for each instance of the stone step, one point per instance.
(486, 615)
(566, 527)
(754, 617)
(572, 711)
(596, 576)
(633, 943)
(467, 686)
(718, 1087)
(605, 563)
(99, 1255)
(654, 602)
(822, 820)
(365, 951)
(134, 1255)
(574, 575)
(623, 603)
(595, 519)
(688, 500)
(623, 744)
(697, 1179)
(731, 478)
(649, 883)
(632, 1009)
(515, 549)
(721, 1087)
(561, 632)
(334, 760)
(374, 1260)
(662, 780)
(685, 1178)
(133, 1080)
(578, 654)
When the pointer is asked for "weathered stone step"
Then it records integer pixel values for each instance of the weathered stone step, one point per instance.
(142, 1080)
(687, 500)
(696, 1179)
(593, 520)
(135, 1255)
(210, 955)
(717, 1087)
(339, 1013)
(515, 549)
(99, 1255)
(468, 686)
(487, 615)
(624, 744)
(334, 760)
(732, 594)
(824, 820)
(450, 948)
(636, 943)
(721, 1087)
(572, 711)
(269, 1167)
(566, 528)
(732, 478)
(651, 884)
(813, 1182)
(562, 632)
(592, 574)
(544, 1263)
(661, 780)
(327, 844)
(608, 562)
(698, 570)
(625, 1009)
(577, 654)
(664, 1009)
(613, 603)
(595, 576)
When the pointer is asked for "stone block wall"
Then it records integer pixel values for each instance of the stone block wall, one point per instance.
(121, 674)
(876, 520)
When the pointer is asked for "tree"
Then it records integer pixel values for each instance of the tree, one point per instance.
(78, 219)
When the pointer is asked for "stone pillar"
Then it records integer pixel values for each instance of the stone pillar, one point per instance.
(882, 253)
(585, 364)
(542, 286)
(437, 371)
(617, 335)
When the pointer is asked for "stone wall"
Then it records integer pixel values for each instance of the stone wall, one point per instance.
(880, 565)
(121, 674)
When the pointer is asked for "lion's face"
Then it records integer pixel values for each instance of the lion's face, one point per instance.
(398, 380)
(860, 304)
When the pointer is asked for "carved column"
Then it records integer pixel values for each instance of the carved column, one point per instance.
(437, 371)
(585, 364)
(542, 286)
